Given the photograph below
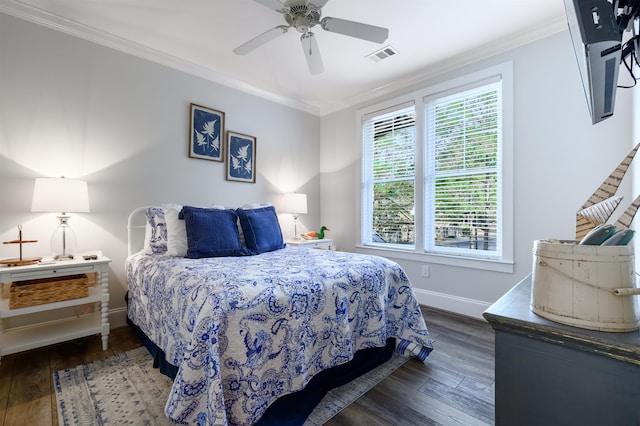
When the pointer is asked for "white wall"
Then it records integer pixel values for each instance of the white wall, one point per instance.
(560, 159)
(70, 107)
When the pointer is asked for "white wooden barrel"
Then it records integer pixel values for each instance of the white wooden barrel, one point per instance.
(576, 285)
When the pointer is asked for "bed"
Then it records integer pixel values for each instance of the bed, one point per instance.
(245, 325)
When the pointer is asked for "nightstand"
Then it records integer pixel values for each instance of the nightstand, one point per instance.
(325, 243)
(36, 335)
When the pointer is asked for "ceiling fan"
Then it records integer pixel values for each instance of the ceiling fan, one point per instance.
(303, 15)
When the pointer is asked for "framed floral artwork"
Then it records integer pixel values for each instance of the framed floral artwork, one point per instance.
(241, 157)
(206, 133)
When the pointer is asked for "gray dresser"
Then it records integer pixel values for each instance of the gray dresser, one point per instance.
(553, 374)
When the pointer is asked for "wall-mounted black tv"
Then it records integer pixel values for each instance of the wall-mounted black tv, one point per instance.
(597, 41)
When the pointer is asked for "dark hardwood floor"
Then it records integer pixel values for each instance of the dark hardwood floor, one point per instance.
(456, 387)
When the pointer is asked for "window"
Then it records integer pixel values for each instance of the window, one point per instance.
(463, 138)
(436, 170)
(390, 176)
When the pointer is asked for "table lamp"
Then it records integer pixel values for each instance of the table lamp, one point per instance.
(61, 195)
(295, 204)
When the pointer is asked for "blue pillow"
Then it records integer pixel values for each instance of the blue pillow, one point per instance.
(211, 232)
(261, 229)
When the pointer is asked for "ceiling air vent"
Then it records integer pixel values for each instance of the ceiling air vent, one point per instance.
(381, 54)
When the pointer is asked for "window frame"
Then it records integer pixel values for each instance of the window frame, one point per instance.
(504, 263)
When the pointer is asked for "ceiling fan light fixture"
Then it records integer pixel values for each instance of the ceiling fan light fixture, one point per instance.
(303, 15)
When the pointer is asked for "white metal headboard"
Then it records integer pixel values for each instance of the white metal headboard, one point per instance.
(136, 225)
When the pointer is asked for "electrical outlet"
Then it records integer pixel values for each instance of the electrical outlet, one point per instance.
(425, 271)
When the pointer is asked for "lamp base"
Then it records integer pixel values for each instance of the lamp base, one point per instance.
(296, 237)
(63, 240)
(63, 257)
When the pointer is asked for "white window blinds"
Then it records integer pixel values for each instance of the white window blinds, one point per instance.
(389, 177)
(463, 196)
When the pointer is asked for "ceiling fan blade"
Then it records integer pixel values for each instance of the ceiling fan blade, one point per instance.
(311, 52)
(355, 29)
(258, 41)
(271, 4)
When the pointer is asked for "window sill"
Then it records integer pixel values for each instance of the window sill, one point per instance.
(502, 266)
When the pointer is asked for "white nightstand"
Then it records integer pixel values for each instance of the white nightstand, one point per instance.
(325, 243)
(23, 338)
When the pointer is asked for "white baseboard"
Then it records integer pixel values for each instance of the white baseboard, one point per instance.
(447, 302)
(117, 317)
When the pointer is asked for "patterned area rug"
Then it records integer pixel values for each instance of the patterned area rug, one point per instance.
(126, 389)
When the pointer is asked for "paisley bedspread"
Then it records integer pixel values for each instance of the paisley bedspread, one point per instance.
(245, 330)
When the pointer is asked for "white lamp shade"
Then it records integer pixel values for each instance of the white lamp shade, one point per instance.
(295, 203)
(52, 195)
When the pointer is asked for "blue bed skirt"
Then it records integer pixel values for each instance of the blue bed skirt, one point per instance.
(293, 409)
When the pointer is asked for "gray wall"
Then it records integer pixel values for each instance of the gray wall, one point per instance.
(70, 107)
(559, 160)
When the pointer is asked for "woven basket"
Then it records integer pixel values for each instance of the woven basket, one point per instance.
(47, 290)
